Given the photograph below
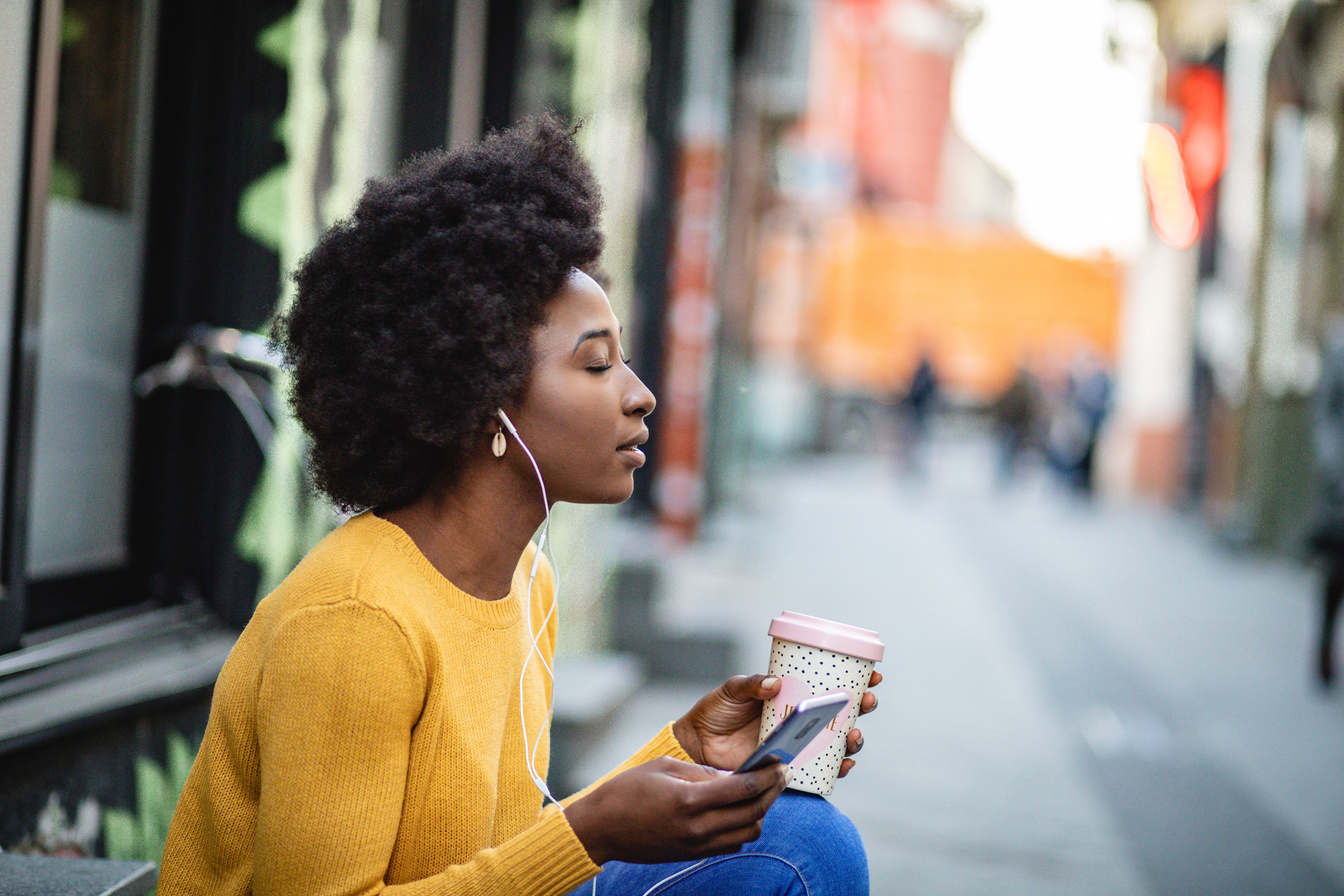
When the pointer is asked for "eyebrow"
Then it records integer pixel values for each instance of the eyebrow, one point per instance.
(604, 333)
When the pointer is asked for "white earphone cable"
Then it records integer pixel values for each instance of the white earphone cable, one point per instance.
(535, 648)
(667, 880)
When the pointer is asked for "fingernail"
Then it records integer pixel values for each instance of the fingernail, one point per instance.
(859, 742)
(788, 776)
(770, 682)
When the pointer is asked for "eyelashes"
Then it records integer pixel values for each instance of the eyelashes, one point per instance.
(603, 368)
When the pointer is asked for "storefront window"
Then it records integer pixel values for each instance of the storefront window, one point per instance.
(96, 103)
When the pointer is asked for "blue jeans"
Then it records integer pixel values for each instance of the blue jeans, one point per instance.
(806, 848)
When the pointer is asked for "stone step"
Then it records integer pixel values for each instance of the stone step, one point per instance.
(590, 689)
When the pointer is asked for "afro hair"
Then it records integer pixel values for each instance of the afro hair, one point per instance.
(413, 319)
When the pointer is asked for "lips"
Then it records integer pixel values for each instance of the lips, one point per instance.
(630, 450)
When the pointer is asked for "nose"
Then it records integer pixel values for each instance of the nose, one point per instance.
(639, 401)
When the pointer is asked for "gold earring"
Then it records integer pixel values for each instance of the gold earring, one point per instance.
(497, 444)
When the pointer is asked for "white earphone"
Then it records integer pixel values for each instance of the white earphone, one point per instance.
(535, 637)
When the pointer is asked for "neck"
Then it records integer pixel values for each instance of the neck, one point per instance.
(474, 528)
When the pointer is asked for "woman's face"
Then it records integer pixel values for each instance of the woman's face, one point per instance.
(582, 412)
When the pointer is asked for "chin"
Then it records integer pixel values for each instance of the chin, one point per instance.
(620, 498)
(613, 493)
(618, 495)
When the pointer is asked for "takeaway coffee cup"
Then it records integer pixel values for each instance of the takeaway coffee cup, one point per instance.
(811, 657)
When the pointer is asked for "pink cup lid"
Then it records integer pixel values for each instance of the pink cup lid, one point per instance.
(834, 636)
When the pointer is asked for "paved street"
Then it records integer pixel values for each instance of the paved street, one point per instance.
(1078, 699)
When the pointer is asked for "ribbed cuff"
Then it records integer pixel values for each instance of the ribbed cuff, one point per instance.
(665, 743)
(547, 857)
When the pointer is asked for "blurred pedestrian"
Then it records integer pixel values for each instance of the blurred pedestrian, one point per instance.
(1015, 412)
(916, 408)
(1091, 388)
(1075, 425)
(1327, 533)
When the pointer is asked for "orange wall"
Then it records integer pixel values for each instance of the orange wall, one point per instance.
(978, 303)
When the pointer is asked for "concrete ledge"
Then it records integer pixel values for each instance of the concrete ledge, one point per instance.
(52, 876)
(81, 688)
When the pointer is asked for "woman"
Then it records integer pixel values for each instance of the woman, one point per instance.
(381, 725)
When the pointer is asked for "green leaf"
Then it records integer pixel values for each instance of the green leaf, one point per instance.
(121, 837)
(73, 28)
(280, 130)
(275, 42)
(261, 210)
(151, 793)
(65, 180)
(180, 757)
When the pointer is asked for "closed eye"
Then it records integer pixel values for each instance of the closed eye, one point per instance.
(603, 368)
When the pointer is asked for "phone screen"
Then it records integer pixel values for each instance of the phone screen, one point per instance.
(793, 734)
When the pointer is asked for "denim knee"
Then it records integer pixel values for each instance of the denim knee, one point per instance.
(819, 840)
(807, 847)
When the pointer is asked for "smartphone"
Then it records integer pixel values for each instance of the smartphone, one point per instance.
(796, 732)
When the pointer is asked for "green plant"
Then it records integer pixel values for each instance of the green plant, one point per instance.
(141, 835)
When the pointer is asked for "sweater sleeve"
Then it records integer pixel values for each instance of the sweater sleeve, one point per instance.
(664, 743)
(340, 694)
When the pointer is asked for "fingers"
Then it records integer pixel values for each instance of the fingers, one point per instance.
(749, 689)
(716, 787)
(729, 811)
(687, 771)
(666, 810)
(727, 789)
(767, 686)
(853, 744)
(732, 840)
(748, 813)
(869, 701)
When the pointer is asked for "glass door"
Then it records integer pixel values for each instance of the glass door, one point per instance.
(87, 313)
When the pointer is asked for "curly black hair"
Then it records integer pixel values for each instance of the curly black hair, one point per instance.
(413, 318)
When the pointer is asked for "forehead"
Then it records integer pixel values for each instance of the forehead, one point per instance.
(578, 307)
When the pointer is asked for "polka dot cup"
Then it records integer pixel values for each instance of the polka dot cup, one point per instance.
(811, 657)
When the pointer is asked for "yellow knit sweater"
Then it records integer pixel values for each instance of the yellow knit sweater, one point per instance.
(365, 737)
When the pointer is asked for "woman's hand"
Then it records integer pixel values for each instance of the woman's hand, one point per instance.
(722, 729)
(668, 811)
(854, 742)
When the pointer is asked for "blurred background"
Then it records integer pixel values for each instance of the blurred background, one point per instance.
(1011, 329)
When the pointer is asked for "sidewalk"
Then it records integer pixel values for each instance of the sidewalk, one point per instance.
(1078, 699)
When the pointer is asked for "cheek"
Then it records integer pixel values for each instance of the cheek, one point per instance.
(565, 430)
(565, 421)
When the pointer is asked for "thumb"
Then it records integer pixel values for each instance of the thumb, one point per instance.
(689, 771)
(750, 689)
